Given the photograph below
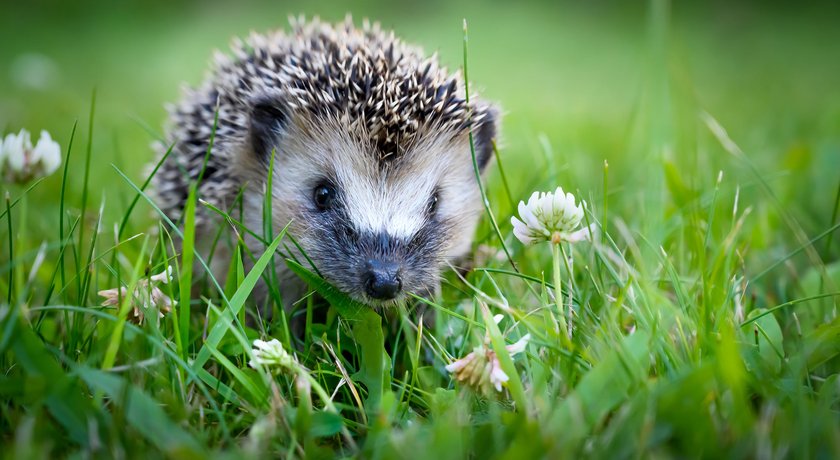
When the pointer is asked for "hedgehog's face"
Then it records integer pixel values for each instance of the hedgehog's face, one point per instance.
(377, 229)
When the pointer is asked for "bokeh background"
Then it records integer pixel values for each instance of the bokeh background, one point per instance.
(580, 81)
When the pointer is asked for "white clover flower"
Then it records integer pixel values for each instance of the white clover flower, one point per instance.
(21, 162)
(270, 354)
(145, 295)
(550, 216)
(481, 368)
(519, 346)
(48, 152)
(13, 148)
(163, 277)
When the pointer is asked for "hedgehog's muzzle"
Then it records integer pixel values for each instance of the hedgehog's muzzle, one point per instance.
(376, 266)
(381, 272)
(381, 279)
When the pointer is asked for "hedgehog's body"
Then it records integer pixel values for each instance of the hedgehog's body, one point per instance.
(367, 135)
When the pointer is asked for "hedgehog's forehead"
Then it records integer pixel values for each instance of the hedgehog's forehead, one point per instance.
(386, 147)
(388, 137)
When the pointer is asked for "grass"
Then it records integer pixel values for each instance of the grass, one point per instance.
(704, 315)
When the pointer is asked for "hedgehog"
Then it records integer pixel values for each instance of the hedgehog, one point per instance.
(374, 146)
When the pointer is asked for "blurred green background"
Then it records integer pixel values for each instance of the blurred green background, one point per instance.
(586, 81)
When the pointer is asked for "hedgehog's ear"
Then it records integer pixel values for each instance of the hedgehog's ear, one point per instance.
(484, 135)
(269, 118)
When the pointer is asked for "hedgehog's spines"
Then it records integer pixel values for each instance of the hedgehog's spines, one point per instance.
(383, 91)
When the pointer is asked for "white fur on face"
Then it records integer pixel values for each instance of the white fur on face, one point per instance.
(392, 200)
(381, 203)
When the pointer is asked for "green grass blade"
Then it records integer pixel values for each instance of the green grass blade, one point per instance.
(790, 303)
(11, 249)
(88, 267)
(61, 394)
(86, 184)
(125, 306)
(142, 412)
(61, 203)
(124, 221)
(21, 196)
(478, 179)
(499, 346)
(186, 270)
(259, 394)
(800, 248)
(174, 229)
(202, 376)
(375, 365)
(603, 388)
(236, 303)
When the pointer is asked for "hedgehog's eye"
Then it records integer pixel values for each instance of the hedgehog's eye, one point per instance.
(431, 208)
(324, 196)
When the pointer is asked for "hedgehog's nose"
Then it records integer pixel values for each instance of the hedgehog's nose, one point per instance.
(382, 279)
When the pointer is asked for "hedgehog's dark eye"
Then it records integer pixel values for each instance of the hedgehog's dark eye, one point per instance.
(324, 196)
(431, 208)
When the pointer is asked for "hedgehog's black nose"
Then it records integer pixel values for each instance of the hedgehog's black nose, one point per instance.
(382, 279)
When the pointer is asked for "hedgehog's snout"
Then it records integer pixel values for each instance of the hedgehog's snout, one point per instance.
(381, 279)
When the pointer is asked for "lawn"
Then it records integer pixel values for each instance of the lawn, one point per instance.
(704, 139)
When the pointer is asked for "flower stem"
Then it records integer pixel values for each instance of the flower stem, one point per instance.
(558, 294)
(568, 261)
